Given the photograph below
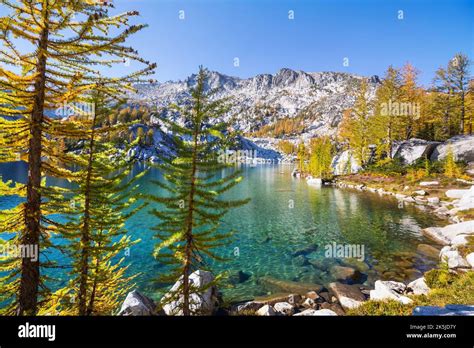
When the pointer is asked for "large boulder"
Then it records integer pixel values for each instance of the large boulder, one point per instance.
(136, 304)
(453, 258)
(389, 290)
(202, 302)
(411, 150)
(462, 147)
(418, 287)
(455, 193)
(345, 163)
(466, 201)
(446, 234)
(470, 259)
(447, 310)
(349, 296)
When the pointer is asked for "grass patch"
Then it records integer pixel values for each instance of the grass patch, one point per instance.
(452, 289)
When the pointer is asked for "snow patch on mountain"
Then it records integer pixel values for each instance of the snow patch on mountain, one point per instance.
(320, 97)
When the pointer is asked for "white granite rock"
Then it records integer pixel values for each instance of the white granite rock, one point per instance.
(313, 312)
(419, 287)
(453, 258)
(389, 290)
(446, 234)
(470, 259)
(283, 308)
(136, 304)
(266, 311)
(202, 303)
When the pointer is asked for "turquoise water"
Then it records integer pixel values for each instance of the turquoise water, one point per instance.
(284, 215)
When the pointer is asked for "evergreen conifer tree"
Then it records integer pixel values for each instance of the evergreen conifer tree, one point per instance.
(69, 40)
(189, 225)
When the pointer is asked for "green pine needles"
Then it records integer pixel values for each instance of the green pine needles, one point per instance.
(189, 223)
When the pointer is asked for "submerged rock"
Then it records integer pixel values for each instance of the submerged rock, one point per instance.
(237, 276)
(300, 261)
(357, 264)
(345, 274)
(305, 251)
(136, 304)
(427, 250)
(279, 285)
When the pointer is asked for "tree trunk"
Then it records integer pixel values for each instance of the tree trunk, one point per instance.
(189, 230)
(30, 270)
(463, 112)
(85, 233)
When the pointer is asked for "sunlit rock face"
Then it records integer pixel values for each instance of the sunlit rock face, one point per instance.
(318, 97)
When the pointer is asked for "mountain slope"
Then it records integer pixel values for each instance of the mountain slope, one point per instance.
(319, 98)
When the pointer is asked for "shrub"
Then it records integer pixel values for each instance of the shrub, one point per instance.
(451, 168)
(439, 278)
(286, 147)
(416, 174)
(387, 167)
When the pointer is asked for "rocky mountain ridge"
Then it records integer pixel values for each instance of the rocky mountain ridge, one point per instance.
(319, 97)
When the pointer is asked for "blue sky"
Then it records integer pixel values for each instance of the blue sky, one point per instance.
(322, 33)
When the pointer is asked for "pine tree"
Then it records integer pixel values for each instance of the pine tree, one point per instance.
(149, 137)
(443, 106)
(451, 169)
(386, 123)
(70, 39)
(410, 99)
(95, 231)
(459, 76)
(140, 136)
(189, 227)
(301, 154)
(321, 157)
(355, 126)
